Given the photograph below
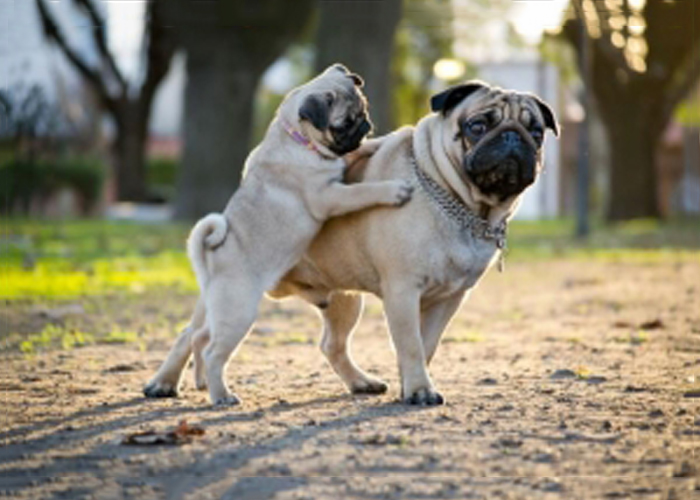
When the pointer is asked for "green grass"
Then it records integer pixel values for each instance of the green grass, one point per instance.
(51, 335)
(639, 241)
(67, 260)
(85, 258)
(468, 337)
(135, 284)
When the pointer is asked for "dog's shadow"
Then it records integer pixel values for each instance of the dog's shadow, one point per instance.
(63, 433)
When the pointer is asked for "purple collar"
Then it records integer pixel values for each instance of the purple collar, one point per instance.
(298, 137)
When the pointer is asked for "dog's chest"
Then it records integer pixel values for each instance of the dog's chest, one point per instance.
(458, 266)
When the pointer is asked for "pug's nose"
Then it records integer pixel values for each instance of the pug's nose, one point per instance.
(510, 138)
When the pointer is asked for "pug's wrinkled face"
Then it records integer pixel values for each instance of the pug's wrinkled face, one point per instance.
(498, 135)
(333, 110)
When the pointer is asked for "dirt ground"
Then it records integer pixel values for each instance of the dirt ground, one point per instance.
(565, 379)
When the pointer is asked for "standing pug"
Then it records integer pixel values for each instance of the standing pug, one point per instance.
(292, 184)
(471, 160)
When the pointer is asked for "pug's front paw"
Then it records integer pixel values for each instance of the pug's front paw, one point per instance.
(401, 192)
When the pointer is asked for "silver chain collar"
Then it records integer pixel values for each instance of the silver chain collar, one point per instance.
(456, 211)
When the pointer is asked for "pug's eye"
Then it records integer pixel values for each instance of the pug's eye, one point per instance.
(329, 99)
(476, 128)
(537, 134)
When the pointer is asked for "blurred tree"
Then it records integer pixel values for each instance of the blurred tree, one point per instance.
(129, 104)
(27, 114)
(229, 45)
(424, 36)
(643, 61)
(360, 34)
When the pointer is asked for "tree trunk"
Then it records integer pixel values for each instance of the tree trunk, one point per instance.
(219, 101)
(360, 34)
(229, 45)
(129, 150)
(633, 136)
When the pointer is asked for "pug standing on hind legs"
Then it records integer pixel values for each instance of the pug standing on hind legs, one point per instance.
(292, 185)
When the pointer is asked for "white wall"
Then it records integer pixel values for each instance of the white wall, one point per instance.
(26, 57)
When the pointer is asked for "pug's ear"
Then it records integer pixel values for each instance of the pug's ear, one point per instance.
(340, 67)
(357, 80)
(550, 121)
(316, 109)
(448, 99)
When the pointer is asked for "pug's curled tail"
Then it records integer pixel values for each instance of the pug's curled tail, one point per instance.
(207, 234)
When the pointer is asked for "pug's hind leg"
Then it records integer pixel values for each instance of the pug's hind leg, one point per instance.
(165, 383)
(200, 339)
(339, 321)
(232, 303)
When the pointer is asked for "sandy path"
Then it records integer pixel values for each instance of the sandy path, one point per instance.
(517, 424)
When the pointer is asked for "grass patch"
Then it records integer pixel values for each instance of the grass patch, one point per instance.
(468, 337)
(54, 336)
(85, 258)
(66, 260)
(634, 338)
(638, 241)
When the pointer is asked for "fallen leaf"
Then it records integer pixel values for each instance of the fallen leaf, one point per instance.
(487, 381)
(182, 434)
(622, 324)
(124, 367)
(654, 324)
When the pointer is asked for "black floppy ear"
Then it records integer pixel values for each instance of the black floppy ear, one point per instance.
(448, 99)
(550, 120)
(341, 68)
(357, 80)
(315, 109)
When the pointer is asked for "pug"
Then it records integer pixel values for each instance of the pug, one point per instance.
(471, 159)
(293, 182)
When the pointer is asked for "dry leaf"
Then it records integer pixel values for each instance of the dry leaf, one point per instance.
(654, 324)
(182, 434)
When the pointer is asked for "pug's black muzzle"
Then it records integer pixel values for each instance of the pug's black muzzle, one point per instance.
(348, 137)
(503, 166)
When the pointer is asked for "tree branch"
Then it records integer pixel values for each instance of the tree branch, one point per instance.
(160, 50)
(53, 33)
(601, 46)
(99, 35)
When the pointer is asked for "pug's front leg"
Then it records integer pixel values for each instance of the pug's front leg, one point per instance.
(356, 161)
(367, 148)
(340, 199)
(402, 310)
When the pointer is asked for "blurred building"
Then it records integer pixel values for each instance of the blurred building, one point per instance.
(26, 58)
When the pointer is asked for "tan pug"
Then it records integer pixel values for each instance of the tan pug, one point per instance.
(471, 160)
(292, 184)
